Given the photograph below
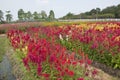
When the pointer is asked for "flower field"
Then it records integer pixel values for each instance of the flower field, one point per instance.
(66, 52)
(22, 26)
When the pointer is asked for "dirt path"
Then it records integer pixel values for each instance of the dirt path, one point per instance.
(2, 35)
(5, 65)
(6, 70)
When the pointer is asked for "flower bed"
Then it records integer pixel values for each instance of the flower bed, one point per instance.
(47, 59)
(57, 52)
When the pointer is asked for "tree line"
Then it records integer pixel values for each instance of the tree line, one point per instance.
(27, 16)
(97, 13)
(8, 16)
(42, 16)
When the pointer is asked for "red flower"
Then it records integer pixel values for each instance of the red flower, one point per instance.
(59, 78)
(25, 61)
(52, 58)
(59, 68)
(66, 70)
(62, 73)
(71, 73)
(45, 75)
(86, 74)
(94, 45)
(74, 63)
(39, 69)
(89, 61)
(80, 79)
(81, 61)
(94, 72)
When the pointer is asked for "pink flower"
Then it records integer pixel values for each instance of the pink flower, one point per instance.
(94, 45)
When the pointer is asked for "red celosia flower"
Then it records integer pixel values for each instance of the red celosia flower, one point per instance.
(81, 61)
(25, 61)
(59, 78)
(86, 74)
(45, 75)
(94, 72)
(74, 63)
(89, 61)
(39, 69)
(71, 73)
(94, 45)
(66, 70)
(59, 68)
(80, 79)
(62, 73)
(52, 58)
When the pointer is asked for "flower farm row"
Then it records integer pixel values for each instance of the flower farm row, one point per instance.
(62, 53)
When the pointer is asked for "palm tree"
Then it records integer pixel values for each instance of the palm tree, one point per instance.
(1, 16)
(8, 16)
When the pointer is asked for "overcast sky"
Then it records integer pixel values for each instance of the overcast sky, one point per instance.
(60, 7)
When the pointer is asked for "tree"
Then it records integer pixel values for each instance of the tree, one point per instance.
(117, 12)
(69, 15)
(1, 16)
(29, 15)
(43, 14)
(51, 15)
(35, 15)
(8, 16)
(108, 12)
(25, 18)
(110, 9)
(93, 12)
(21, 14)
(39, 15)
(97, 12)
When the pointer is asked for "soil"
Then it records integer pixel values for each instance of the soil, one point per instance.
(107, 69)
(6, 70)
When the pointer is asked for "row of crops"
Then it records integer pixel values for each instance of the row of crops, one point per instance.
(66, 52)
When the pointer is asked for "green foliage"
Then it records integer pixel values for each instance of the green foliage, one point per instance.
(106, 57)
(108, 12)
(116, 60)
(3, 47)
